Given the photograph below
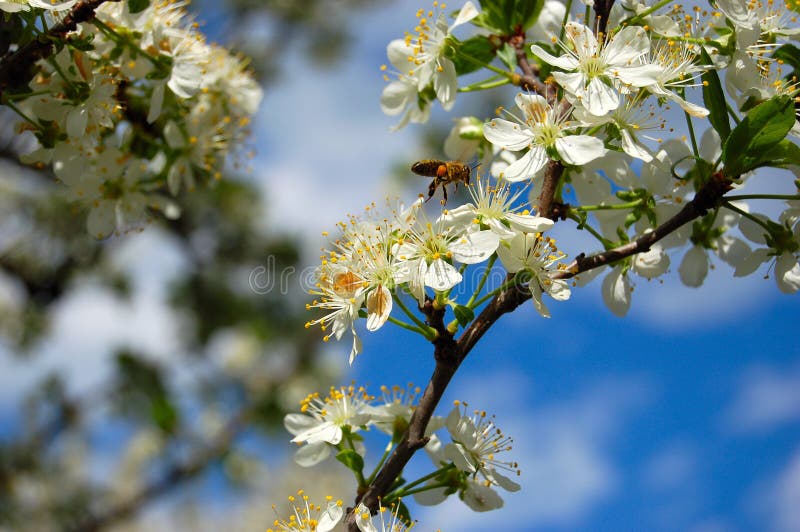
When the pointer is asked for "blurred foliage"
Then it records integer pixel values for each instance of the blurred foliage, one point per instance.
(245, 359)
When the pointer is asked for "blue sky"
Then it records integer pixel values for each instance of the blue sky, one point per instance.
(684, 415)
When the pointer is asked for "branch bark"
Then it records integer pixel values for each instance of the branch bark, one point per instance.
(16, 68)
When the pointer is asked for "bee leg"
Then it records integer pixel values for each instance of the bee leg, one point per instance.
(444, 191)
(431, 189)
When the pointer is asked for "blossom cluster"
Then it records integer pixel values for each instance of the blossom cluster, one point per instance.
(470, 465)
(133, 108)
(603, 113)
(309, 517)
(378, 259)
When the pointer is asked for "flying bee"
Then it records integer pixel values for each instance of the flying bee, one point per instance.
(443, 173)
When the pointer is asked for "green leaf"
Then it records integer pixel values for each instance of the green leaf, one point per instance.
(464, 315)
(782, 154)
(507, 16)
(478, 49)
(789, 54)
(763, 127)
(351, 459)
(714, 99)
(508, 56)
(135, 6)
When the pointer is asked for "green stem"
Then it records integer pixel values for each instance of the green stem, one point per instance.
(747, 215)
(565, 20)
(428, 332)
(591, 230)
(493, 68)
(614, 207)
(57, 68)
(17, 110)
(406, 325)
(359, 474)
(114, 36)
(482, 282)
(732, 113)
(511, 282)
(691, 133)
(404, 490)
(485, 85)
(380, 464)
(649, 10)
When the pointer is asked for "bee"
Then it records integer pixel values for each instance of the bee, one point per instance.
(443, 173)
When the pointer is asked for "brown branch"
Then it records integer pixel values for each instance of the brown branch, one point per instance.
(16, 69)
(708, 197)
(552, 173)
(602, 10)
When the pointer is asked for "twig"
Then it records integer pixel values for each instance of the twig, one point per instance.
(16, 69)
(708, 197)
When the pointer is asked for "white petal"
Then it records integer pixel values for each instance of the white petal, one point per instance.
(633, 148)
(751, 262)
(529, 224)
(787, 273)
(398, 53)
(77, 119)
(694, 267)
(460, 457)
(536, 298)
(504, 482)
(330, 517)
(481, 498)
(441, 275)
(691, 108)
(312, 454)
(475, 247)
(639, 76)
(467, 13)
(445, 84)
(156, 102)
(651, 263)
(617, 292)
(379, 305)
(326, 431)
(753, 231)
(559, 289)
(526, 166)
(102, 219)
(510, 253)
(578, 150)
(396, 96)
(599, 98)
(298, 423)
(508, 135)
(627, 45)
(364, 519)
(583, 38)
(732, 250)
(430, 497)
(564, 62)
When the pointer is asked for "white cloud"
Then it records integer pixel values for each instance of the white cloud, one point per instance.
(767, 398)
(777, 500)
(562, 449)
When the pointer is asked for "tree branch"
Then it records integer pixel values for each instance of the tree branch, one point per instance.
(16, 69)
(708, 197)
